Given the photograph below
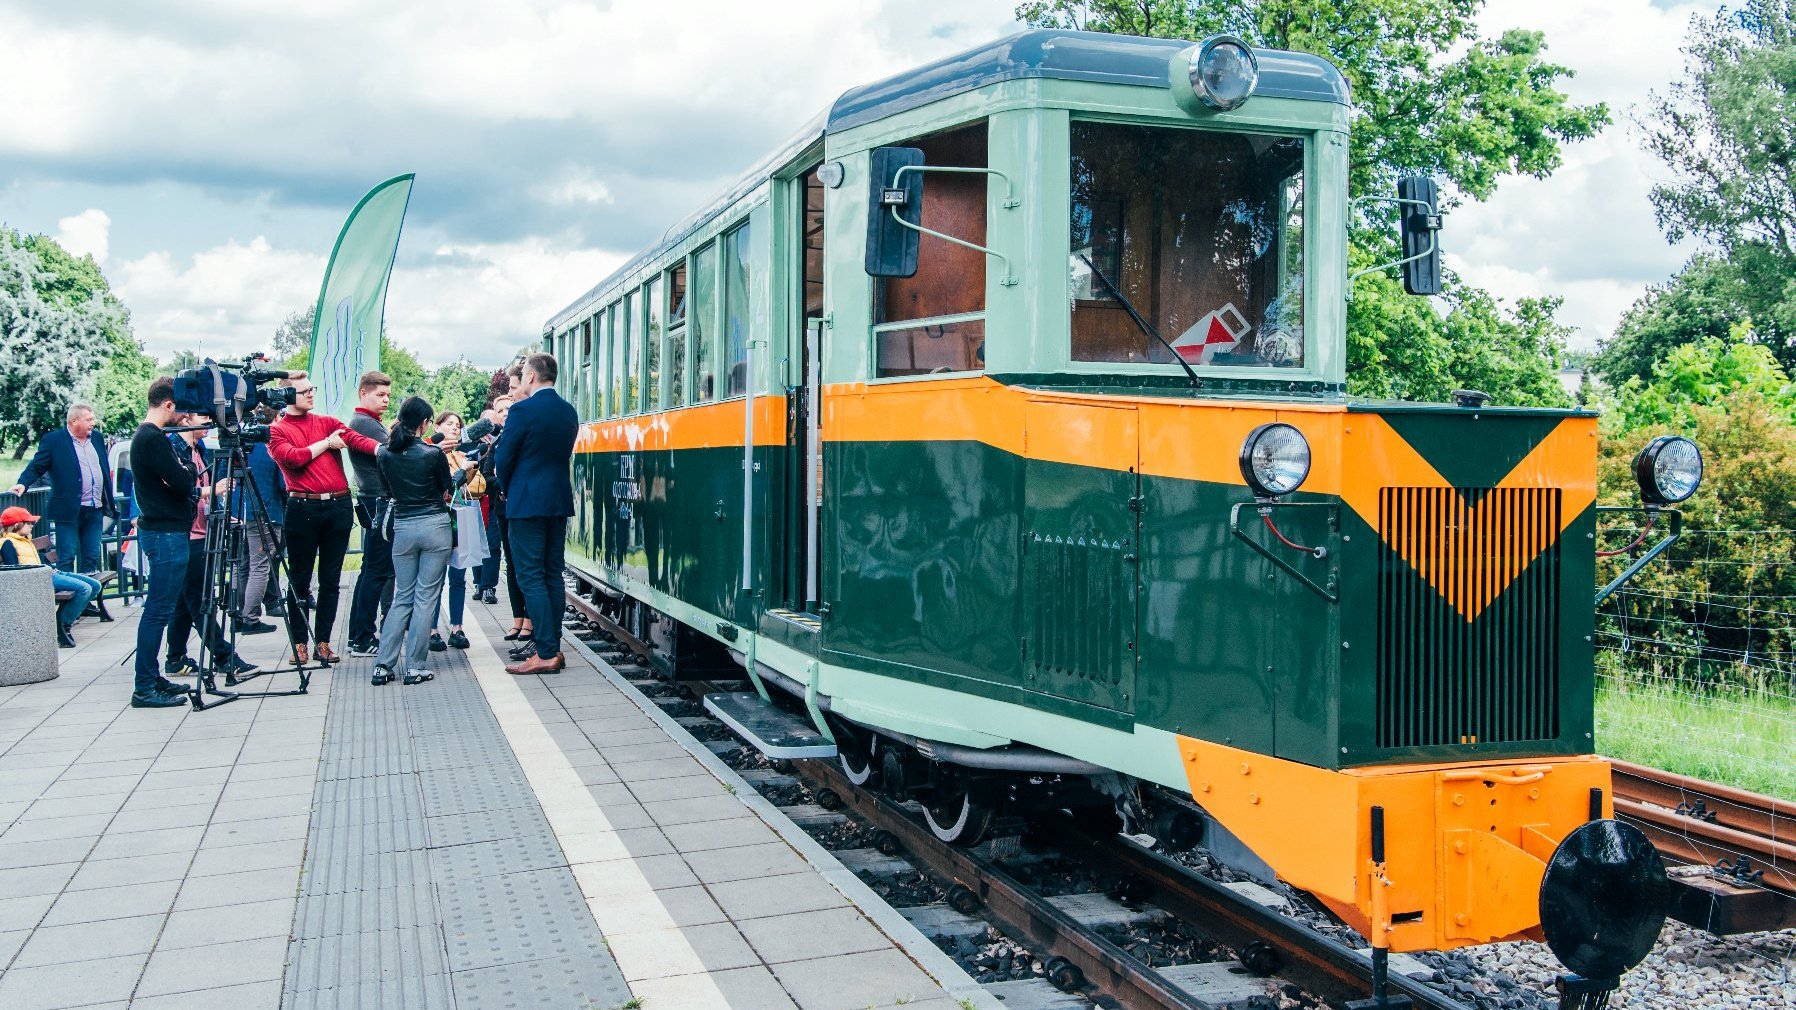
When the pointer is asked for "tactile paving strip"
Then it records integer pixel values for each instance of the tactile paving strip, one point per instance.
(432, 878)
(548, 982)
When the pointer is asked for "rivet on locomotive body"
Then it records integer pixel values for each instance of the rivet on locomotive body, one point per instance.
(1253, 798)
(1459, 799)
(1459, 847)
(1246, 769)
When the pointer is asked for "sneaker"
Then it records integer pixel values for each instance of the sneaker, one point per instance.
(370, 648)
(457, 640)
(382, 675)
(418, 677)
(182, 667)
(490, 596)
(236, 666)
(256, 627)
(436, 643)
(170, 687)
(158, 700)
(275, 610)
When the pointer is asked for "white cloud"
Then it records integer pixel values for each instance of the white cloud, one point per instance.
(1587, 232)
(86, 234)
(475, 301)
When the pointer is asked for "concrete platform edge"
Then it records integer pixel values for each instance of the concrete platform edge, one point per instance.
(944, 969)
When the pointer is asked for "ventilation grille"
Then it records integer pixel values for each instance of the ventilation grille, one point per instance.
(1468, 598)
(1079, 613)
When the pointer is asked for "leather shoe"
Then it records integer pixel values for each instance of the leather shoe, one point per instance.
(524, 651)
(300, 657)
(537, 665)
(325, 653)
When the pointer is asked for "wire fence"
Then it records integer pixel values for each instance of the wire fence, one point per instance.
(1696, 660)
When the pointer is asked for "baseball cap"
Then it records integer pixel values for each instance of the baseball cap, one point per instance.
(17, 514)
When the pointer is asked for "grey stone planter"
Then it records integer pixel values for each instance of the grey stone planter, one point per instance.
(27, 625)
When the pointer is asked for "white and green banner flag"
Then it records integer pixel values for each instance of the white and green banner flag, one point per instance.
(346, 327)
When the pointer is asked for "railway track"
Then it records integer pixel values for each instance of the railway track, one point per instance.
(1733, 852)
(1076, 953)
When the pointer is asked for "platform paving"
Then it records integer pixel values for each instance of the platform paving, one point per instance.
(477, 841)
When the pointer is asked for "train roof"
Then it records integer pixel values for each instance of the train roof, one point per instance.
(1053, 54)
(1043, 53)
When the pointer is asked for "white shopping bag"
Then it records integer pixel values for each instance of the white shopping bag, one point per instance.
(470, 536)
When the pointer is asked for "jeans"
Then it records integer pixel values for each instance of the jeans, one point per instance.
(78, 541)
(84, 587)
(190, 610)
(167, 555)
(421, 547)
(538, 546)
(458, 597)
(488, 575)
(317, 532)
(374, 586)
(252, 571)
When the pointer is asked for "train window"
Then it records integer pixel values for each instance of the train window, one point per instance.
(601, 364)
(676, 336)
(738, 315)
(1200, 231)
(950, 279)
(629, 339)
(615, 384)
(934, 321)
(589, 392)
(704, 312)
(652, 313)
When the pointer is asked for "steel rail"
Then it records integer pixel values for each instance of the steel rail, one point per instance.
(1745, 824)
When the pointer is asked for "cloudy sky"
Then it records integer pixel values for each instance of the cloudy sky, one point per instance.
(206, 151)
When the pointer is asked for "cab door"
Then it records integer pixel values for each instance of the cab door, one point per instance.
(804, 356)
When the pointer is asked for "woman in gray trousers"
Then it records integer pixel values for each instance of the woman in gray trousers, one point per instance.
(417, 476)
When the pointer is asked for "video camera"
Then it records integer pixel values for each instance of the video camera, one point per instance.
(227, 392)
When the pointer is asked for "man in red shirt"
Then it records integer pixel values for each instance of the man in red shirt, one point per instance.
(308, 448)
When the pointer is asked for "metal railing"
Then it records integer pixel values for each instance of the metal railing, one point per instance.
(131, 582)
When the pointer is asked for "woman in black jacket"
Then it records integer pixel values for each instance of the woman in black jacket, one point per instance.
(417, 476)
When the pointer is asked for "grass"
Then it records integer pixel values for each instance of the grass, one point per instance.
(10, 469)
(1737, 737)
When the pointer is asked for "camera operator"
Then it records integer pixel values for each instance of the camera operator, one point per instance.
(374, 584)
(307, 448)
(166, 495)
(190, 609)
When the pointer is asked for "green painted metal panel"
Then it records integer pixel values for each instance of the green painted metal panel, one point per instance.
(1078, 588)
(1502, 441)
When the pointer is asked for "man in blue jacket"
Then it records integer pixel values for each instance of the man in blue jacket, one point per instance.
(531, 462)
(74, 458)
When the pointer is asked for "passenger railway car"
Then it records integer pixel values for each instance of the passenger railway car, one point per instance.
(996, 427)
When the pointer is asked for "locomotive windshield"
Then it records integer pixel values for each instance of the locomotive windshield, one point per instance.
(1200, 231)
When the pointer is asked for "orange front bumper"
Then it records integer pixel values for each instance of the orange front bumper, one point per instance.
(1465, 844)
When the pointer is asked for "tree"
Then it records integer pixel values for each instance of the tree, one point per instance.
(120, 390)
(52, 343)
(1434, 98)
(1705, 301)
(458, 386)
(1700, 375)
(1727, 130)
(294, 335)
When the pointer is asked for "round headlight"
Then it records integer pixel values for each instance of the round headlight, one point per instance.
(1669, 470)
(1223, 72)
(1275, 460)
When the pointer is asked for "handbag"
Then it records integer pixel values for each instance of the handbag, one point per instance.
(470, 534)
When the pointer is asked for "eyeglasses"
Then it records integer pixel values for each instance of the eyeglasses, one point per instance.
(305, 391)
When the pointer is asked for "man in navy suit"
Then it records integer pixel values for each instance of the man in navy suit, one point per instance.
(74, 458)
(531, 462)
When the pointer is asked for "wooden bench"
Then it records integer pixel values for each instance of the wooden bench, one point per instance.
(47, 552)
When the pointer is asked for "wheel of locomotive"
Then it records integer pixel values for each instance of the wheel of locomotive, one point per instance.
(858, 751)
(955, 817)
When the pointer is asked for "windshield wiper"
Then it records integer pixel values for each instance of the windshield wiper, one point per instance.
(1146, 327)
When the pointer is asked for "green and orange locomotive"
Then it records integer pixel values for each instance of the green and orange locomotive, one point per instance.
(995, 426)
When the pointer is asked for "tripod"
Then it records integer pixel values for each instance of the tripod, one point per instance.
(226, 543)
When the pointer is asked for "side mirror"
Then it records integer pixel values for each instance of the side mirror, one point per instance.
(1419, 214)
(891, 247)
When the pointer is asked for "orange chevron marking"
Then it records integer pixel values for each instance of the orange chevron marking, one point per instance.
(1467, 553)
